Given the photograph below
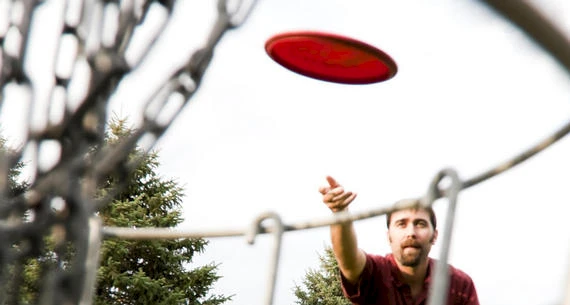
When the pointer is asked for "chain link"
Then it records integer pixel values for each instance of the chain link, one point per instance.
(86, 42)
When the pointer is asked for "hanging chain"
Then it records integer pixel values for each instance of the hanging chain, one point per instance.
(85, 160)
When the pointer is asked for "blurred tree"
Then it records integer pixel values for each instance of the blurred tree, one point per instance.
(130, 272)
(149, 271)
(28, 275)
(15, 187)
(322, 286)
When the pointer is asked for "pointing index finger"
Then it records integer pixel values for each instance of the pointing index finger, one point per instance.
(332, 182)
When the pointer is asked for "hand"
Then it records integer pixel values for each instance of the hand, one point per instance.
(335, 197)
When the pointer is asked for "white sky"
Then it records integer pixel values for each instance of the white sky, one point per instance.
(471, 91)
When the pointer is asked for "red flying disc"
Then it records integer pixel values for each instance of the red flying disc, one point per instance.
(331, 57)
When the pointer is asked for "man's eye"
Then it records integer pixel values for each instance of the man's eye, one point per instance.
(400, 224)
(421, 224)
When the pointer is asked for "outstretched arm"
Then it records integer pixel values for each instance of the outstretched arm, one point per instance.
(350, 258)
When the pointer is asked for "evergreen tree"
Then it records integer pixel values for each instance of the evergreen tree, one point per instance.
(130, 272)
(322, 286)
(150, 271)
(15, 187)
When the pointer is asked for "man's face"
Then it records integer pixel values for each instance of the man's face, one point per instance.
(411, 236)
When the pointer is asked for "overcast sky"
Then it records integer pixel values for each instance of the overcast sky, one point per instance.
(471, 91)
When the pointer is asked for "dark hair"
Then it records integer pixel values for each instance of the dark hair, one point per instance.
(428, 209)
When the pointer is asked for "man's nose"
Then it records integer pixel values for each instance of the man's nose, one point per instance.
(411, 230)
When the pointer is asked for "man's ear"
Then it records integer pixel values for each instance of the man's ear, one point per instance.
(434, 237)
(388, 235)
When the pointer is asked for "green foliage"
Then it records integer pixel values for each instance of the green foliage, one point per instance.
(27, 272)
(322, 286)
(153, 271)
(130, 272)
(15, 187)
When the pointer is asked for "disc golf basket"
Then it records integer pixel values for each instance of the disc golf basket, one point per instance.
(28, 217)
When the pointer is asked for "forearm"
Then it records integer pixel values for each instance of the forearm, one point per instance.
(350, 258)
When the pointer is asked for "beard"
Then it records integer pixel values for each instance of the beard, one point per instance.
(411, 257)
(412, 253)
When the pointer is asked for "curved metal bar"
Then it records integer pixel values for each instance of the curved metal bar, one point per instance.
(438, 290)
(277, 229)
(539, 28)
(542, 31)
(542, 145)
(166, 233)
(169, 233)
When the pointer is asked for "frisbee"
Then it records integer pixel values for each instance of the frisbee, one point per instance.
(331, 57)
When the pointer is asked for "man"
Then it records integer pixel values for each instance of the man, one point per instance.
(402, 277)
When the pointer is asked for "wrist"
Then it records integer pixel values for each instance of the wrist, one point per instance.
(340, 210)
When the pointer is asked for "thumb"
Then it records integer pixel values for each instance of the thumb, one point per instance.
(332, 182)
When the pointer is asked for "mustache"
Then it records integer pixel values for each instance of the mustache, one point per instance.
(410, 243)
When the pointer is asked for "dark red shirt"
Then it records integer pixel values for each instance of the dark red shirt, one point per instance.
(381, 284)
